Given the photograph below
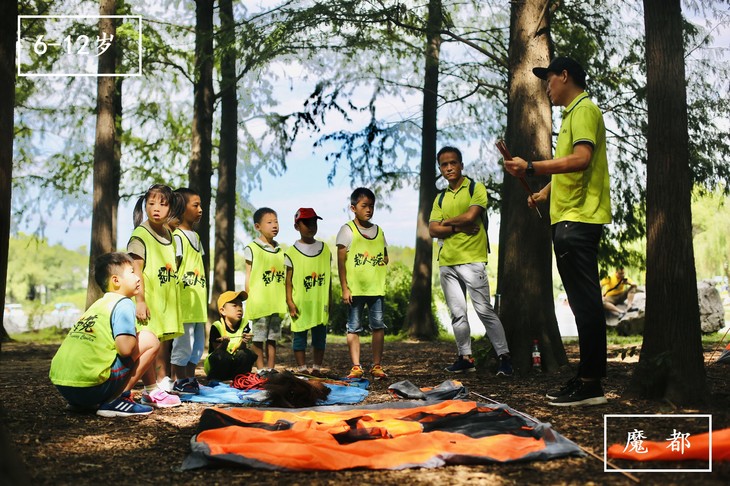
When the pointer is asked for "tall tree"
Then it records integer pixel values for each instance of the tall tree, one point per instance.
(12, 470)
(419, 317)
(8, 27)
(117, 154)
(106, 169)
(525, 262)
(671, 364)
(225, 201)
(201, 165)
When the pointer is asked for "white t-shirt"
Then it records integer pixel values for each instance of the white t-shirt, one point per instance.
(194, 241)
(248, 255)
(309, 249)
(344, 236)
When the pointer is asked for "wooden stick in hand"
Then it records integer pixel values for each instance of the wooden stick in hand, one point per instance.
(502, 147)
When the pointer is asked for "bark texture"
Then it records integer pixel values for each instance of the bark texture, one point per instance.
(671, 364)
(106, 168)
(420, 321)
(525, 247)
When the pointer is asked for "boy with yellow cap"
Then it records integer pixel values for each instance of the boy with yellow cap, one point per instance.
(228, 355)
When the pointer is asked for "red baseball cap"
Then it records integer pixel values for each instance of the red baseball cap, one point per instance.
(305, 213)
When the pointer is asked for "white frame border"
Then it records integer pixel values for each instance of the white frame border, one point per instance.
(687, 415)
(86, 75)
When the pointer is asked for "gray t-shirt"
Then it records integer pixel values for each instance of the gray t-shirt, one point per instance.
(135, 245)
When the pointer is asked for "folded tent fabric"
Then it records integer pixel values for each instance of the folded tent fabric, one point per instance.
(659, 451)
(447, 390)
(725, 356)
(383, 436)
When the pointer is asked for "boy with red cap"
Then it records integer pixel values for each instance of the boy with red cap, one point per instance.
(308, 276)
(228, 355)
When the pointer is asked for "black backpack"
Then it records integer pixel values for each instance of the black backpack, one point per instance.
(485, 217)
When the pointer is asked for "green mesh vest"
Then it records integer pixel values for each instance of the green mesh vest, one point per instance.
(160, 286)
(192, 284)
(236, 340)
(311, 278)
(266, 285)
(88, 351)
(365, 263)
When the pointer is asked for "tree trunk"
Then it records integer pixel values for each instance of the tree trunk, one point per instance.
(8, 29)
(117, 156)
(525, 250)
(201, 166)
(671, 365)
(225, 200)
(12, 469)
(104, 166)
(419, 317)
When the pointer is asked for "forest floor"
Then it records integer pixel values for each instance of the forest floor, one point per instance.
(61, 447)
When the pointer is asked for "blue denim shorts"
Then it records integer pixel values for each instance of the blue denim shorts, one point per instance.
(375, 305)
(319, 338)
(93, 396)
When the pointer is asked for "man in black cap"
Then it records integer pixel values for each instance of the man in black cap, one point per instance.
(580, 205)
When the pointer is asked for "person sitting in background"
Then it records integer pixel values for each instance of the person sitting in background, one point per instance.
(617, 289)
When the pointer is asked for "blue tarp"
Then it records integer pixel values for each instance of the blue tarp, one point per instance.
(222, 393)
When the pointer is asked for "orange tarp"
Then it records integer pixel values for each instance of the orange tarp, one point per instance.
(699, 449)
(452, 431)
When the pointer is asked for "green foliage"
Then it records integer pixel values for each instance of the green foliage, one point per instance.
(33, 263)
(381, 149)
(483, 351)
(710, 221)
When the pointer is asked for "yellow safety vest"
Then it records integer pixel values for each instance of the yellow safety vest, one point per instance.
(192, 284)
(311, 279)
(267, 283)
(365, 263)
(160, 286)
(88, 351)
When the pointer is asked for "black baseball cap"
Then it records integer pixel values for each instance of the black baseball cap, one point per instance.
(560, 64)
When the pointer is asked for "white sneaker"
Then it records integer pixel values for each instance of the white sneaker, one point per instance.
(166, 384)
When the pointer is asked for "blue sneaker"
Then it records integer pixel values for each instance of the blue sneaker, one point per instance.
(123, 406)
(462, 365)
(505, 366)
(186, 386)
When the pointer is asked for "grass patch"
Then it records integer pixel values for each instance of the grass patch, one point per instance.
(615, 339)
(612, 338)
(48, 335)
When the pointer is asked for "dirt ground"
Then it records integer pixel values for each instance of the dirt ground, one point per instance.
(60, 447)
